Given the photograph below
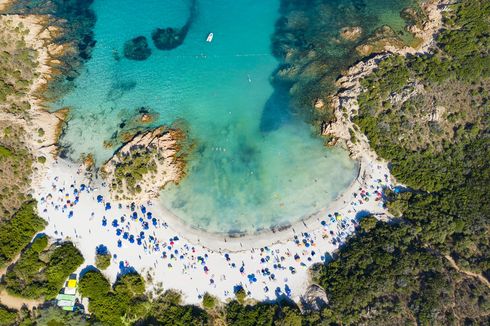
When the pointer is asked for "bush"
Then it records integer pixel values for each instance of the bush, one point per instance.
(102, 261)
(40, 272)
(7, 316)
(16, 233)
(208, 301)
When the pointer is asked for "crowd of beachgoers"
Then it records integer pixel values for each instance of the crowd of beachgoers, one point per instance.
(140, 237)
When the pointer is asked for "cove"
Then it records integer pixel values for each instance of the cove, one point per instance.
(256, 163)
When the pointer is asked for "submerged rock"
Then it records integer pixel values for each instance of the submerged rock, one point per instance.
(351, 33)
(172, 37)
(137, 49)
(168, 38)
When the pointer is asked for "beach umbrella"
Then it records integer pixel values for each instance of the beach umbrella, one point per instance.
(118, 232)
(114, 223)
(154, 221)
(100, 198)
(125, 235)
(131, 238)
(149, 215)
(134, 215)
(104, 222)
(107, 206)
(70, 215)
(143, 209)
(119, 244)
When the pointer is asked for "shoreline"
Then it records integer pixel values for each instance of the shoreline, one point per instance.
(56, 178)
(76, 212)
(231, 242)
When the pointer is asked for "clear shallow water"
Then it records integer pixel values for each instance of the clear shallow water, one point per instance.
(250, 170)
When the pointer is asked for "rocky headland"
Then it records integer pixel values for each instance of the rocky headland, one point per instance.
(145, 164)
(344, 103)
(24, 109)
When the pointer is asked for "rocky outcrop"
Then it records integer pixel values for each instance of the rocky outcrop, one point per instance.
(344, 103)
(314, 299)
(351, 33)
(144, 165)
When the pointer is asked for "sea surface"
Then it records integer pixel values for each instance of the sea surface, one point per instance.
(255, 163)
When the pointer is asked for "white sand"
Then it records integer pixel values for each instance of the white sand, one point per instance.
(187, 274)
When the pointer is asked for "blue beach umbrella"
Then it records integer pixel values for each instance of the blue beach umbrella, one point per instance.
(118, 232)
(125, 235)
(143, 209)
(107, 206)
(100, 198)
(119, 244)
(114, 223)
(70, 215)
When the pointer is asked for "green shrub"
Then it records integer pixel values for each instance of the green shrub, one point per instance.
(102, 261)
(208, 301)
(16, 233)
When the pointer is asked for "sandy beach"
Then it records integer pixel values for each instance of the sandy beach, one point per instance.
(156, 245)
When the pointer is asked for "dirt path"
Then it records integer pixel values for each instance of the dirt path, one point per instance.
(469, 273)
(16, 302)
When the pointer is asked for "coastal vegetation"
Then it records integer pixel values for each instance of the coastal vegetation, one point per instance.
(428, 116)
(145, 163)
(71, 29)
(41, 270)
(102, 257)
(18, 69)
(17, 231)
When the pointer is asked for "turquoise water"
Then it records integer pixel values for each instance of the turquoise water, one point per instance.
(251, 168)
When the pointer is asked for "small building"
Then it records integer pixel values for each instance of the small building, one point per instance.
(67, 298)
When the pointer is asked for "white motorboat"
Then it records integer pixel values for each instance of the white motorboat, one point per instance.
(210, 37)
